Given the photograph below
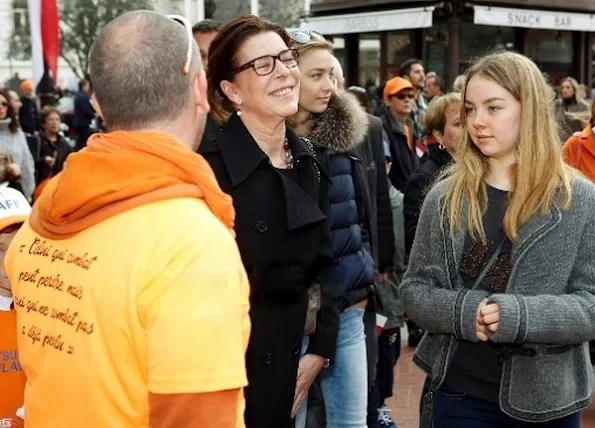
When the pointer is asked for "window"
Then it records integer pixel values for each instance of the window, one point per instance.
(369, 60)
(436, 49)
(553, 52)
(478, 40)
(400, 48)
(338, 49)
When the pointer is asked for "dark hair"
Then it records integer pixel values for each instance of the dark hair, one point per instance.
(207, 26)
(362, 96)
(592, 120)
(10, 113)
(45, 113)
(223, 54)
(148, 76)
(82, 83)
(406, 66)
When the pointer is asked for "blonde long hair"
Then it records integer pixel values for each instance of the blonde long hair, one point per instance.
(539, 175)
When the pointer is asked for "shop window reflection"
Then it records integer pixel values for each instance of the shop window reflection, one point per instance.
(479, 40)
(552, 51)
(400, 48)
(436, 49)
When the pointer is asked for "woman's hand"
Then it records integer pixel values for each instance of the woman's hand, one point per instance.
(309, 367)
(491, 316)
(480, 327)
(49, 161)
(13, 171)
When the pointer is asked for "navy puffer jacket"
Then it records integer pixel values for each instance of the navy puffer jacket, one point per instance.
(342, 129)
(352, 270)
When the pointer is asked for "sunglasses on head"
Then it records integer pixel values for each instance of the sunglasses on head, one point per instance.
(306, 36)
(188, 28)
(403, 96)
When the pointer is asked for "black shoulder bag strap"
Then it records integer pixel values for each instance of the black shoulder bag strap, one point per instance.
(427, 401)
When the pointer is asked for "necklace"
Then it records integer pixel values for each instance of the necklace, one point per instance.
(288, 154)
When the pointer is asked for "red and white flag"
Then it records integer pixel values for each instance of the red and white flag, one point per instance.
(45, 39)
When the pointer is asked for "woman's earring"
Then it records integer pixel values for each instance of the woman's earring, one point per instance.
(440, 145)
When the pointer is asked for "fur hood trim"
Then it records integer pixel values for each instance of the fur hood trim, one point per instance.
(342, 127)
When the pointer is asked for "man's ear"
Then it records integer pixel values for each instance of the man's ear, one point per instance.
(199, 87)
(230, 91)
(97, 106)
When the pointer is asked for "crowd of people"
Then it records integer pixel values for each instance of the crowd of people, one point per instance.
(245, 242)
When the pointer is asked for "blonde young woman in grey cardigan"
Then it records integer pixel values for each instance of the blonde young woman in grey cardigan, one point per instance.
(504, 282)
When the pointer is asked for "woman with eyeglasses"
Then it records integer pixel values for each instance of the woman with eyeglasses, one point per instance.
(280, 187)
(12, 139)
(336, 120)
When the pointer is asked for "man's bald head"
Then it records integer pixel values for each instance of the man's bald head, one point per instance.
(339, 77)
(136, 68)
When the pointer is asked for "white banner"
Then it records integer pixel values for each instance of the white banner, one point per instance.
(525, 18)
(370, 22)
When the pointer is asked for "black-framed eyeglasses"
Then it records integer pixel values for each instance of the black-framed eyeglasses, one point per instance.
(266, 64)
(305, 36)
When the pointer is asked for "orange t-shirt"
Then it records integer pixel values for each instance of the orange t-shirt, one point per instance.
(154, 299)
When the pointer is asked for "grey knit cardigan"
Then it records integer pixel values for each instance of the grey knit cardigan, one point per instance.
(547, 311)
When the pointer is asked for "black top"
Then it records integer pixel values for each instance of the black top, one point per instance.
(29, 115)
(83, 110)
(476, 368)
(418, 186)
(58, 149)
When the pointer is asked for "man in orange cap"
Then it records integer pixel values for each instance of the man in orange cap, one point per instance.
(29, 113)
(399, 95)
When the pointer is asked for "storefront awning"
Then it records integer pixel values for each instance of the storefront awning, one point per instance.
(401, 19)
(543, 19)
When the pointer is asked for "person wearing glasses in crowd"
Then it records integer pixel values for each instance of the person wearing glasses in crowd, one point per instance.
(502, 271)
(280, 190)
(130, 249)
(336, 120)
(399, 97)
(54, 148)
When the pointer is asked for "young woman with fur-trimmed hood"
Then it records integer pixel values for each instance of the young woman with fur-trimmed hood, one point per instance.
(337, 121)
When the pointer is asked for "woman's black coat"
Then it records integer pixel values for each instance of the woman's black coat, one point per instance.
(283, 238)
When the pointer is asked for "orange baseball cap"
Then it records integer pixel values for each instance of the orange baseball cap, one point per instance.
(26, 85)
(396, 85)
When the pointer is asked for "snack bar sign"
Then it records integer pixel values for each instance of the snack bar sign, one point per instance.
(525, 18)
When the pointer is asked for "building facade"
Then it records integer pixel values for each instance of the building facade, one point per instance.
(373, 38)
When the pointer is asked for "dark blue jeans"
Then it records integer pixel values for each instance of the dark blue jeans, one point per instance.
(455, 409)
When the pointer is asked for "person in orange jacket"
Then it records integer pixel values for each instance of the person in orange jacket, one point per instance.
(579, 150)
(131, 295)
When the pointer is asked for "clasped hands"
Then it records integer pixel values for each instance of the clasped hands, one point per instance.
(487, 319)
